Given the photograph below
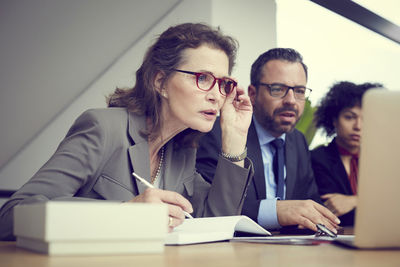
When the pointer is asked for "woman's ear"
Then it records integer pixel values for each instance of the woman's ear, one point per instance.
(335, 122)
(159, 84)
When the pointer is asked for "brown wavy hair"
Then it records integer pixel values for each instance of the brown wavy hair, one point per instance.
(163, 56)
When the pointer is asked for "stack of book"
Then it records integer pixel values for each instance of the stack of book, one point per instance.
(91, 227)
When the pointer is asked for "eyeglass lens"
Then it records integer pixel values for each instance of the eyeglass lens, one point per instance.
(280, 90)
(205, 81)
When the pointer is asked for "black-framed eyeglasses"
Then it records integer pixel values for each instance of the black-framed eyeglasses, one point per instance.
(205, 81)
(280, 90)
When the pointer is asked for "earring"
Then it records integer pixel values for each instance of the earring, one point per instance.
(164, 94)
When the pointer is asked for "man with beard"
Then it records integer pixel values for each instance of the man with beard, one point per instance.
(276, 198)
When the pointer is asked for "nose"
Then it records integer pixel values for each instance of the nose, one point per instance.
(213, 95)
(289, 97)
(358, 123)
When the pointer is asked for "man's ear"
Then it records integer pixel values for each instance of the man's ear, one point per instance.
(159, 84)
(252, 92)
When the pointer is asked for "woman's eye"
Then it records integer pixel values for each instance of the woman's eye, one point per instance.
(203, 78)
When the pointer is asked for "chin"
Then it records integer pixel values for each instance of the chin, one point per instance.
(354, 144)
(204, 128)
(200, 125)
(285, 128)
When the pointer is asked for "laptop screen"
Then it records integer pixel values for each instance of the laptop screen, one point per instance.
(377, 222)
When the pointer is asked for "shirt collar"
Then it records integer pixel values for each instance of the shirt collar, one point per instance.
(264, 137)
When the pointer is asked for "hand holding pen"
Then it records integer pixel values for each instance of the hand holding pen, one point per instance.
(176, 202)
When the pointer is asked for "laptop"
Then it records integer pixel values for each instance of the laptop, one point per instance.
(377, 219)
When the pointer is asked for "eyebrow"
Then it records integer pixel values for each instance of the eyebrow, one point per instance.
(348, 110)
(207, 71)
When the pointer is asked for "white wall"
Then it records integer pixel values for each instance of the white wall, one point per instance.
(336, 49)
(51, 52)
(251, 22)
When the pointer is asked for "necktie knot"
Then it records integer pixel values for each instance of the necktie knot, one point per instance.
(277, 143)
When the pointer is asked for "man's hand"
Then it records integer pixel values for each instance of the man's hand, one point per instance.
(306, 214)
(176, 204)
(339, 204)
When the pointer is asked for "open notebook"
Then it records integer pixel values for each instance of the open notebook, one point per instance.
(211, 229)
(377, 218)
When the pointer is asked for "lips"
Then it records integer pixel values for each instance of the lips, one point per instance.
(286, 111)
(287, 114)
(209, 114)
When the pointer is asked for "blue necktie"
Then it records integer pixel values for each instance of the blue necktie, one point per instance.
(278, 163)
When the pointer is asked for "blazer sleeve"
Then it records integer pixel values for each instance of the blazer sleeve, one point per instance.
(75, 161)
(207, 153)
(225, 196)
(331, 177)
(329, 171)
(229, 182)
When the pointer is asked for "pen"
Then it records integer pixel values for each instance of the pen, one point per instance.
(149, 185)
(322, 229)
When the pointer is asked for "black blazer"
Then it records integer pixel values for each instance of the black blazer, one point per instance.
(300, 183)
(331, 176)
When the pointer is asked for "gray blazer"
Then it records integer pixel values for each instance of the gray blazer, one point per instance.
(96, 160)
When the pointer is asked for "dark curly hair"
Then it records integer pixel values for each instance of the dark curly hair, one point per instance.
(164, 56)
(341, 95)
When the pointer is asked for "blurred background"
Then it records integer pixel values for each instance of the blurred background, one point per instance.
(59, 58)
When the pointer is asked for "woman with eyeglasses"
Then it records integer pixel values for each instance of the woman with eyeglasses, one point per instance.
(152, 130)
(336, 166)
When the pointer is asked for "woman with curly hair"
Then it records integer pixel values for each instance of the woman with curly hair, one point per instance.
(336, 165)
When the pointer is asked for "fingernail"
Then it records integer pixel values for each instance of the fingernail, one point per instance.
(337, 221)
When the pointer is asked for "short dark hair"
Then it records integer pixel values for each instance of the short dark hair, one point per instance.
(341, 95)
(165, 55)
(288, 54)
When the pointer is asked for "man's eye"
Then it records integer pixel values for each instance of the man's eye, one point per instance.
(300, 91)
(277, 89)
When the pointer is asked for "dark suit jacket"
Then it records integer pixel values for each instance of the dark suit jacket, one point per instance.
(96, 159)
(300, 183)
(330, 175)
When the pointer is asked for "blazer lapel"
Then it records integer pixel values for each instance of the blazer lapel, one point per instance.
(254, 153)
(139, 152)
(338, 168)
(291, 157)
(178, 164)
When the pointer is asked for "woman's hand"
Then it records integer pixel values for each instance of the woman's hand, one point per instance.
(176, 204)
(235, 121)
(339, 204)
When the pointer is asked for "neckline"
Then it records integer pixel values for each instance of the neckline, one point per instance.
(155, 177)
